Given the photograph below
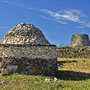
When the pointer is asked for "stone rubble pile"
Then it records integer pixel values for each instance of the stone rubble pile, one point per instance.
(25, 33)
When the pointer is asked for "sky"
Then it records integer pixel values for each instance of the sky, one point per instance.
(57, 19)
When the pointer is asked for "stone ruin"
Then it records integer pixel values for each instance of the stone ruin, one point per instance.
(24, 49)
(25, 33)
(79, 40)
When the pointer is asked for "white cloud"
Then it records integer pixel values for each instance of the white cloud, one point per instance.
(62, 22)
(5, 1)
(52, 19)
(63, 17)
(45, 18)
(17, 4)
(4, 27)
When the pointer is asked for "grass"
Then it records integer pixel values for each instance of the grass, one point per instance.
(73, 74)
(78, 64)
(77, 59)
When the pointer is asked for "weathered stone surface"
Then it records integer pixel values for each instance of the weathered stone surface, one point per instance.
(29, 51)
(24, 49)
(73, 52)
(29, 66)
(79, 40)
(25, 33)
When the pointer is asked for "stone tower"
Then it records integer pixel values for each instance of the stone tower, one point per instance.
(24, 49)
(79, 40)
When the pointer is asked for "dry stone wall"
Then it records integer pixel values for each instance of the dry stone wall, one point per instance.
(29, 59)
(24, 49)
(29, 51)
(73, 52)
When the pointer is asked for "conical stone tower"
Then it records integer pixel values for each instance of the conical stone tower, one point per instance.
(25, 33)
(24, 49)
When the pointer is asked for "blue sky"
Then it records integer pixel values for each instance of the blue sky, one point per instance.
(57, 19)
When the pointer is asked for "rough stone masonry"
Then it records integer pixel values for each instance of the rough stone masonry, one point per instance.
(79, 40)
(24, 49)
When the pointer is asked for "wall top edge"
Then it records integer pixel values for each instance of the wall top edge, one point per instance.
(21, 45)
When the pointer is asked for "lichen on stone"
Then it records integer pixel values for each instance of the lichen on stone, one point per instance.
(79, 40)
(25, 33)
(24, 49)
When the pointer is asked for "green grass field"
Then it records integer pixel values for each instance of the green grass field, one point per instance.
(73, 74)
